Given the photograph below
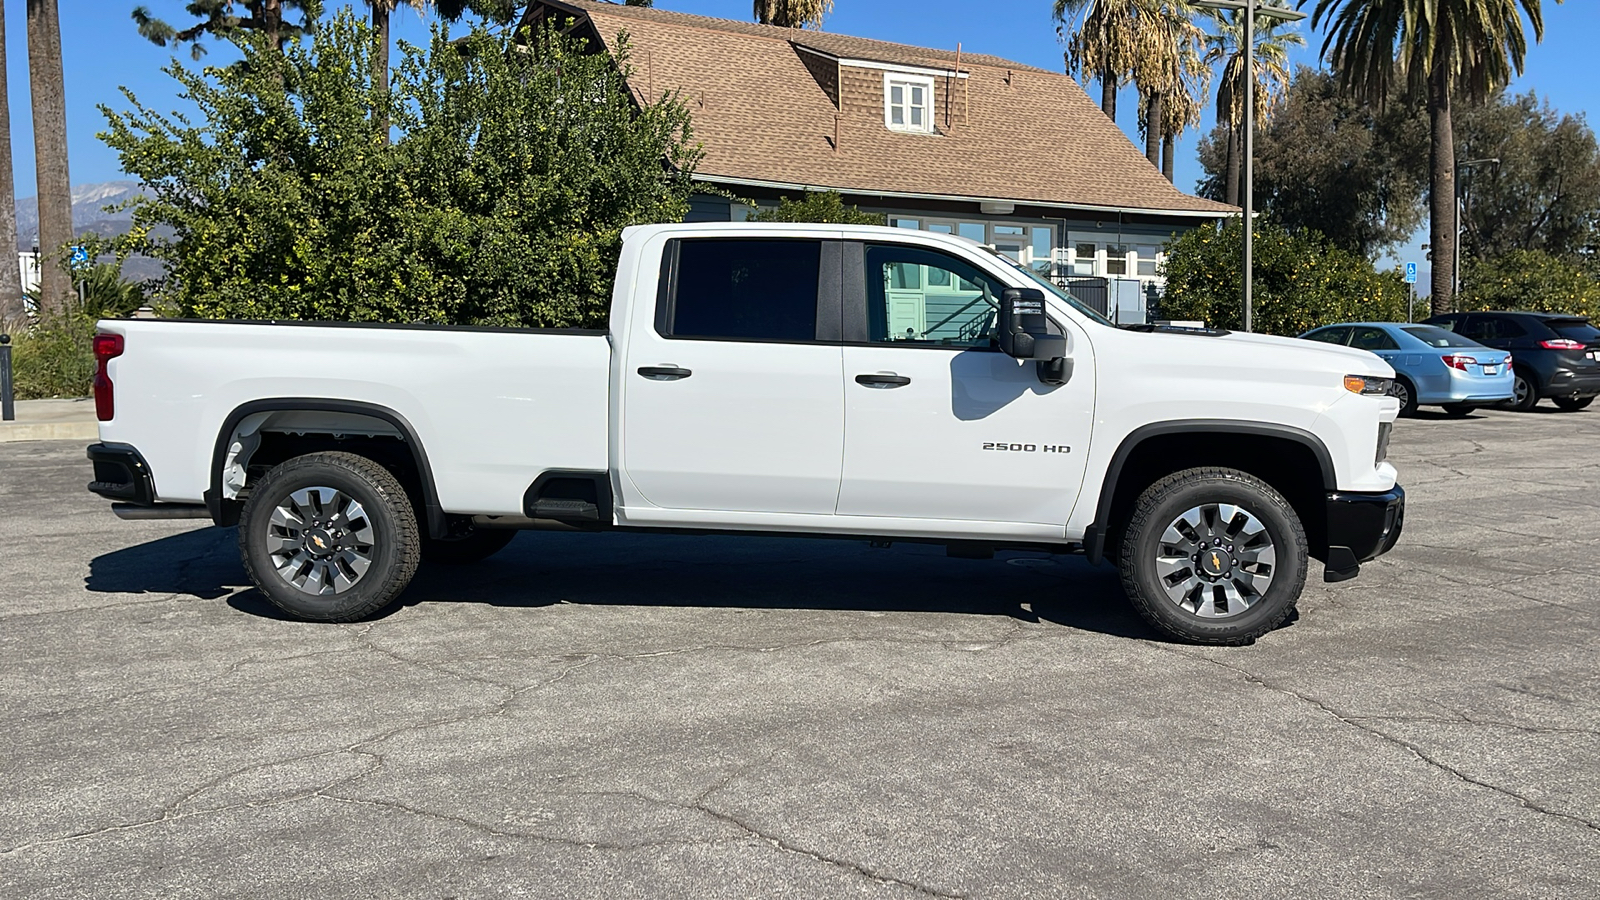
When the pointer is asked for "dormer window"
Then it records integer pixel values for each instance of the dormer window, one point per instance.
(908, 102)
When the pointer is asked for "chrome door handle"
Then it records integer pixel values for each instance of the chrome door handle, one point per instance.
(664, 373)
(883, 381)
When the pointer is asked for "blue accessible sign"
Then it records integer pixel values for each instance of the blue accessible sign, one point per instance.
(1411, 273)
(80, 256)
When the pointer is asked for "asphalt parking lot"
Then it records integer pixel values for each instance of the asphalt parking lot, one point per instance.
(618, 716)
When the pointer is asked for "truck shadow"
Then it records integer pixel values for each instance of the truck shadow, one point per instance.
(712, 571)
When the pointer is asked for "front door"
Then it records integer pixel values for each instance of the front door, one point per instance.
(730, 400)
(941, 425)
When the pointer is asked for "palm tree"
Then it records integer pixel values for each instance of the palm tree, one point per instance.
(10, 278)
(381, 10)
(1443, 50)
(793, 13)
(49, 95)
(1104, 42)
(1273, 40)
(1170, 73)
(219, 17)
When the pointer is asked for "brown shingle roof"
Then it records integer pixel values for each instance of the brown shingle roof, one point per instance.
(1030, 136)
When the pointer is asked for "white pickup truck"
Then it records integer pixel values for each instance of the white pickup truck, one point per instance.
(857, 382)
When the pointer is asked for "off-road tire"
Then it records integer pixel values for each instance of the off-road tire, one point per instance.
(1165, 501)
(1573, 404)
(394, 551)
(474, 545)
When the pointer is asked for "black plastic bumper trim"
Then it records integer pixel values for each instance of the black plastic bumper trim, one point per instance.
(121, 474)
(1361, 527)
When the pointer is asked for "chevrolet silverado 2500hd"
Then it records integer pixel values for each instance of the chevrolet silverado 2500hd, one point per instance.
(782, 379)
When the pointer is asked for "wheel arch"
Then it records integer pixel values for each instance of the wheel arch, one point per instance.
(225, 511)
(1278, 454)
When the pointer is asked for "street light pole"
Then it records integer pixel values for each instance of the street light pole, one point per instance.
(1457, 208)
(1249, 10)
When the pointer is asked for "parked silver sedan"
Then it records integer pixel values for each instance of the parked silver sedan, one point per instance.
(1433, 367)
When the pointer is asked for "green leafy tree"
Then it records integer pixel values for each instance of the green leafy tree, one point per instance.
(1530, 279)
(1444, 50)
(1544, 194)
(1352, 170)
(1301, 281)
(222, 19)
(501, 202)
(789, 13)
(824, 206)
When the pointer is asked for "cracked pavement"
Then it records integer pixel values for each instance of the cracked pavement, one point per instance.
(615, 716)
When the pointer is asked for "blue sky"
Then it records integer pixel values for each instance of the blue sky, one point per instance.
(102, 51)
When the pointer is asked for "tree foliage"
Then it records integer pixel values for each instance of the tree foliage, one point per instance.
(1301, 281)
(1544, 194)
(502, 201)
(1530, 279)
(824, 206)
(221, 19)
(1354, 171)
(789, 13)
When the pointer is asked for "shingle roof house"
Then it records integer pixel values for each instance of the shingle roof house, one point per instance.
(1012, 155)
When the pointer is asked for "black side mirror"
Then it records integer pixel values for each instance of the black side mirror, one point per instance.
(1024, 330)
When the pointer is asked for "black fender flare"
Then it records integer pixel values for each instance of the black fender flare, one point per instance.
(225, 514)
(1094, 537)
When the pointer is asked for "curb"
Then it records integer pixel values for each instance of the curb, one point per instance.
(49, 431)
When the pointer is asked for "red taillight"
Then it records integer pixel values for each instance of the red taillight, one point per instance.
(1457, 361)
(1507, 362)
(106, 348)
(1561, 344)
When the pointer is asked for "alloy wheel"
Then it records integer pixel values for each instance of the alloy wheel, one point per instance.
(1216, 560)
(321, 540)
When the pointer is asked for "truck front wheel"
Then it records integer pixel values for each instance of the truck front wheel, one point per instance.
(329, 537)
(1213, 556)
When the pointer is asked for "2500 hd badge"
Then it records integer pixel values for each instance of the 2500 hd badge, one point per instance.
(1026, 448)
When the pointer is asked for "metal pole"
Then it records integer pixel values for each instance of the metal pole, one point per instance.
(8, 405)
(1249, 155)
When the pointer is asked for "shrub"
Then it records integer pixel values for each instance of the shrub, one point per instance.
(1531, 280)
(54, 357)
(1301, 281)
(826, 206)
(500, 202)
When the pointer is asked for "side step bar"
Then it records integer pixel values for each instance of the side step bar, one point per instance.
(135, 512)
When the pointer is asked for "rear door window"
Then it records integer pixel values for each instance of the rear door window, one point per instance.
(1338, 334)
(1575, 329)
(1375, 339)
(739, 289)
(1435, 336)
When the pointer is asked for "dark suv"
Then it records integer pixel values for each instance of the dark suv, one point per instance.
(1554, 355)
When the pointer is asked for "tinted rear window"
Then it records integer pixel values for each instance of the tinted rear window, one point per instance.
(747, 289)
(1435, 336)
(1576, 329)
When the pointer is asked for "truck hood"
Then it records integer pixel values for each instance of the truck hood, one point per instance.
(1262, 351)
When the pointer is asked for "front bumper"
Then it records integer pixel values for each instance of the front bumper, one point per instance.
(1361, 527)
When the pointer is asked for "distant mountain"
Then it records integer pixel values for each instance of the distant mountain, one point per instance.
(89, 215)
(88, 211)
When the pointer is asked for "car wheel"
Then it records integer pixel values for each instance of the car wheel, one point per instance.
(1526, 393)
(1406, 393)
(329, 537)
(1458, 410)
(1573, 404)
(471, 545)
(1213, 556)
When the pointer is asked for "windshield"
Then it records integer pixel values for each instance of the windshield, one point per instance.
(1051, 287)
(1434, 336)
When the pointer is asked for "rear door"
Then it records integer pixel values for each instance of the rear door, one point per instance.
(732, 395)
(939, 424)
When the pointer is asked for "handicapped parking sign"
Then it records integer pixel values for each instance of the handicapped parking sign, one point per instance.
(1411, 273)
(80, 256)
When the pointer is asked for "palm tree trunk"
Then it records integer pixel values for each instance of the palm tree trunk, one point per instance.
(10, 278)
(1168, 149)
(272, 22)
(48, 91)
(1230, 192)
(1108, 94)
(380, 66)
(1152, 128)
(1442, 191)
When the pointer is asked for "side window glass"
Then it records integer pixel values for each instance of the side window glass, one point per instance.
(757, 290)
(1373, 339)
(927, 298)
(1329, 335)
(1472, 327)
(1509, 328)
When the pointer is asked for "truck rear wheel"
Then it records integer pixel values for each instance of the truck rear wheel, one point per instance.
(1213, 556)
(329, 537)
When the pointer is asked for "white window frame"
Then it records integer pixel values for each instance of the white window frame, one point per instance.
(890, 80)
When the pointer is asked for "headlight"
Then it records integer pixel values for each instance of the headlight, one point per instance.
(1369, 385)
